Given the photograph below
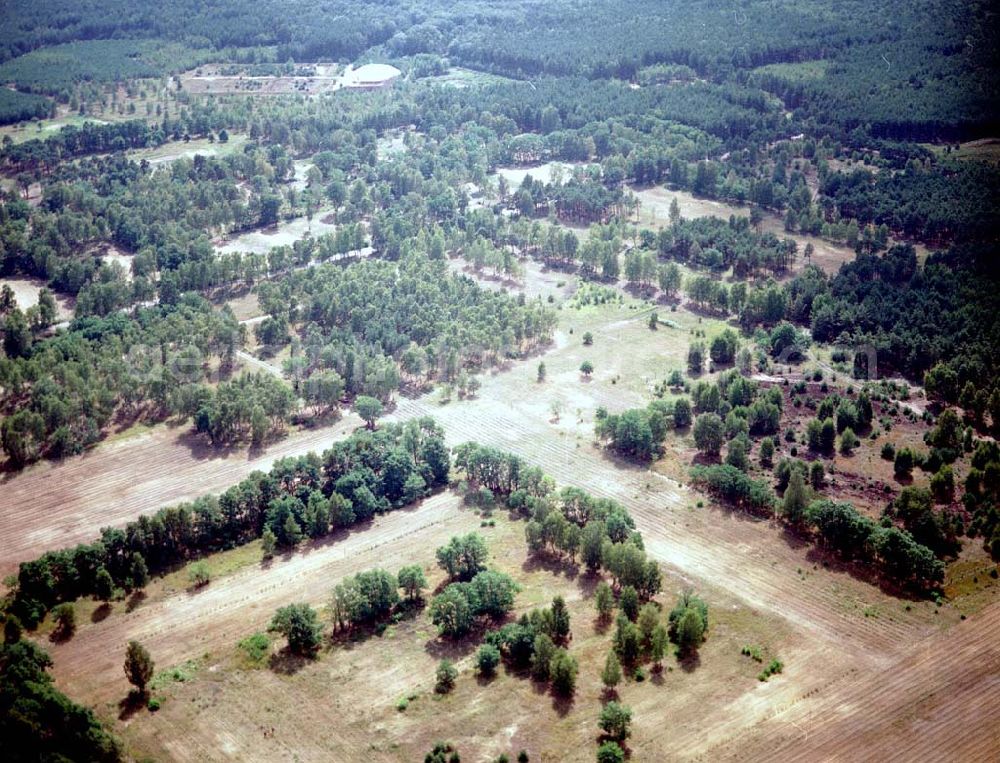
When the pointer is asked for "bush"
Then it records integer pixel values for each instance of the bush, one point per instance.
(255, 647)
(199, 574)
(445, 677)
(65, 620)
(848, 441)
(888, 451)
(487, 659)
(615, 721)
(610, 752)
(300, 625)
(564, 669)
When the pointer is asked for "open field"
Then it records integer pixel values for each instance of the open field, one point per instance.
(540, 172)
(358, 683)
(217, 80)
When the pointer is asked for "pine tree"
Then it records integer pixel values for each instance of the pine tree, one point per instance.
(796, 497)
(138, 665)
(611, 676)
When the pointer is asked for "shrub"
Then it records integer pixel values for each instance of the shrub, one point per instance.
(445, 677)
(615, 721)
(65, 620)
(564, 669)
(610, 752)
(487, 659)
(848, 441)
(199, 574)
(774, 667)
(255, 647)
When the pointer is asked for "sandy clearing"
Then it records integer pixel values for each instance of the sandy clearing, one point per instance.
(283, 234)
(52, 505)
(26, 292)
(655, 212)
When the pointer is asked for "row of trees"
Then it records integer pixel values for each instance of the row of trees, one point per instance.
(364, 474)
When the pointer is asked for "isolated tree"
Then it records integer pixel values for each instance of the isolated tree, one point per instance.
(268, 543)
(452, 612)
(586, 368)
(368, 408)
(588, 339)
(682, 413)
(848, 441)
(564, 670)
(766, 452)
(445, 676)
(104, 585)
(649, 618)
(611, 676)
(560, 620)
(658, 645)
(628, 602)
(300, 625)
(199, 574)
(443, 752)
(291, 533)
(138, 666)
(541, 372)
(615, 721)
(690, 631)
(463, 557)
(627, 641)
(64, 616)
(138, 573)
(816, 475)
(903, 463)
(696, 358)
(541, 658)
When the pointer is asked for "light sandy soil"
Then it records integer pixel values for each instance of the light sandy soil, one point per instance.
(537, 280)
(51, 505)
(207, 81)
(540, 172)
(283, 234)
(939, 701)
(26, 292)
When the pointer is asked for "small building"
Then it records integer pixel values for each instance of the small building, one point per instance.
(372, 76)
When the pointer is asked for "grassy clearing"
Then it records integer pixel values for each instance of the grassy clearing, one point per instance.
(804, 71)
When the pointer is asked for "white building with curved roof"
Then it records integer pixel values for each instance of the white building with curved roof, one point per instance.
(372, 76)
